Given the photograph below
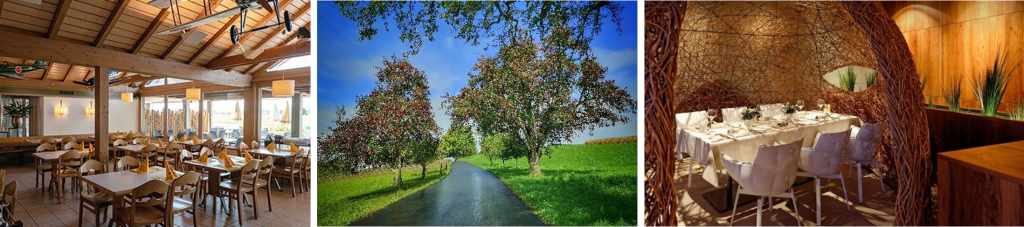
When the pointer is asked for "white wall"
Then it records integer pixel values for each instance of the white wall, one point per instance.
(123, 116)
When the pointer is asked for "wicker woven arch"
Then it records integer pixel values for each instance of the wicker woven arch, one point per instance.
(732, 54)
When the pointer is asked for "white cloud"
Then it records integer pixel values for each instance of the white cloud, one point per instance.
(616, 59)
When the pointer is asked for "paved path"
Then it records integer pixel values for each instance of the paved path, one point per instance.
(468, 196)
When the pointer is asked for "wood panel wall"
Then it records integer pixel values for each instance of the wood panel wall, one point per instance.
(959, 40)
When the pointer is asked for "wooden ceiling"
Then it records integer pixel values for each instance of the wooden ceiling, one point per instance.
(130, 26)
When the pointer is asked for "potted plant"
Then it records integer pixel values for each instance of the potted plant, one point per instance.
(789, 110)
(749, 116)
(17, 111)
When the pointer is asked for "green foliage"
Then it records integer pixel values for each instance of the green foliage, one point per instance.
(458, 142)
(474, 21)
(951, 92)
(930, 103)
(991, 85)
(750, 114)
(16, 109)
(492, 146)
(583, 185)
(848, 79)
(539, 95)
(1016, 110)
(872, 78)
(924, 80)
(790, 109)
(342, 201)
(612, 140)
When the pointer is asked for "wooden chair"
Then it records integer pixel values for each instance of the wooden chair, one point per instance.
(171, 154)
(266, 170)
(67, 167)
(10, 195)
(218, 145)
(49, 140)
(131, 136)
(69, 146)
(93, 199)
(42, 167)
(118, 153)
(68, 139)
(293, 171)
(144, 205)
(138, 140)
(147, 152)
(186, 185)
(127, 163)
(255, 145)
(236, 190)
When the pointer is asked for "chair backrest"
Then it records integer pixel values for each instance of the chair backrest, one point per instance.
(772, 172)
(139, 140)
(120, 142)
(827, 155)
(127, 162)
(733, 114)
(255, 145)
(70, 156)
(172, 148)
(691, 119)
(150, 194)
(147, 135)
(185, 184)
(48, 140)
(242, 146)
(148, 149)
(68, 139)
(70, 145)
(92, 166)
(250, 170)
(130, 136)
(865, 144)
(11, 196)
(266, 165)
(45, 147)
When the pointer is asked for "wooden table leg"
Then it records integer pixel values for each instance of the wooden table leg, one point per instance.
(212, 186)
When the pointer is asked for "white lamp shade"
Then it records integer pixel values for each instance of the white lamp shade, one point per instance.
(192, 94)
(126, 97)
(61, 109)
(283, 88)
(90, 110)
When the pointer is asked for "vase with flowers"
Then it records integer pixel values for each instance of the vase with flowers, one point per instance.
(749, 117)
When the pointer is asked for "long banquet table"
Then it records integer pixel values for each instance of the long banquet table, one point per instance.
(742, 144)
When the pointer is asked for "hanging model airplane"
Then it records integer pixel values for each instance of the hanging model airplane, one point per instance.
(14, 71)
(243, 8)
(91, 82)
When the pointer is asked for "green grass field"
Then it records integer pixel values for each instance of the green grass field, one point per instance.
(342, 201)
(582, 184)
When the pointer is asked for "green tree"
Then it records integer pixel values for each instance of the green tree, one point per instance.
(511, 149)
(458, 142)
(474, 21)
(539, 94)
(427, 153)
(491, 147)
(397, 117)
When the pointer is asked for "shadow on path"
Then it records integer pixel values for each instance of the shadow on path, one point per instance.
(467, 196)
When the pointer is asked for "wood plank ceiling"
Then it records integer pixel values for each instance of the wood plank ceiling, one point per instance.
(130, 26)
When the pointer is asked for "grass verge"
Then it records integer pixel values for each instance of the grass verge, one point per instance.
(342, 201)
(592, 185)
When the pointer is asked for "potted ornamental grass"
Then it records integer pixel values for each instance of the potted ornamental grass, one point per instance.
(17, 111)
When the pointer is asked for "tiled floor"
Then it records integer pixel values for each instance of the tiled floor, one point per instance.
(35, 208)
(877, 208)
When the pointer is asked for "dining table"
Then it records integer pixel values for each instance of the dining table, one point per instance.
(214, 167)
(40, 141)
(53, 158)
(121, 183)
(277, 153)
(741, 141)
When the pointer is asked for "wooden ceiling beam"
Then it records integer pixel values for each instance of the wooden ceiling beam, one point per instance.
(272, 54)
(298, 73)
(175, 89)
(267, 66)
(251, 67)
(58, 18)
(278, 29)
(213, 39)
(137, 78)
(43, 84)
(24, 46)
(260, 23)
(2, 7)
(115, 15)
(150, 31)
(67, 76)
(174, 46)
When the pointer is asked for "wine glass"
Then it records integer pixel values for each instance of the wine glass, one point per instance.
(800, 105)
(821, 104)
(712, 113)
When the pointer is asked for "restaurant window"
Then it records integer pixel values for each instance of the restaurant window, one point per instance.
(275, 118)
(193, 117)
(225, 115)
(176, 116)
(153, 115)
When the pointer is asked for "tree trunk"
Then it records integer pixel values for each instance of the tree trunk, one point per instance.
(502, 163)
(492, 160)
(398, 178)
(424, 174)
(534, 159)
(517, 163)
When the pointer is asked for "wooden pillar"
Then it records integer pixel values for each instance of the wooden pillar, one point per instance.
(296, 114)
(250, 115)
(102, 94)
(200, 126)
(165, 117)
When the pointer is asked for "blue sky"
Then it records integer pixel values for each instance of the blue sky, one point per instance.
(346, 65)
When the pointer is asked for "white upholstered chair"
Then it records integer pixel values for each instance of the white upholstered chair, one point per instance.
(770, 175)
(733, 114)
(825, 160)
(688, 120)
(861, 151)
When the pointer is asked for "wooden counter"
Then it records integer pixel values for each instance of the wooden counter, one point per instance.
(982, 186)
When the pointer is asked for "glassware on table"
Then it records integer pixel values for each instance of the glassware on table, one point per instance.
(712, 113)
(821, 104)
(800, 105)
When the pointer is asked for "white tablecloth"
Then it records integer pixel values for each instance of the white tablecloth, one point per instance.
(742, 145)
